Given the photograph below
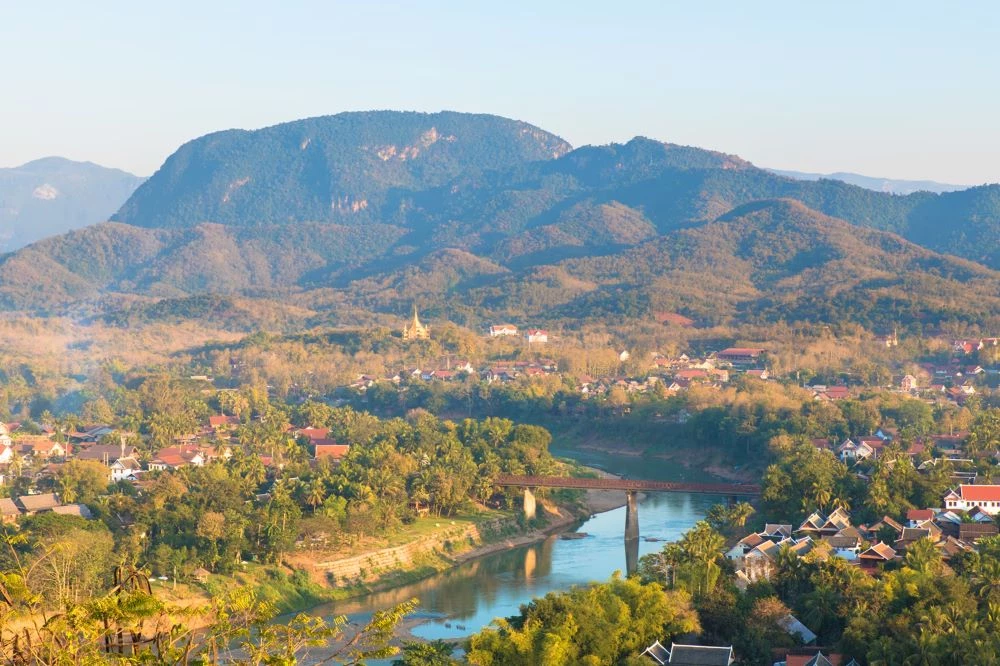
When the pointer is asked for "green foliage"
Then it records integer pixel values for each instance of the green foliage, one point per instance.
(604, 623)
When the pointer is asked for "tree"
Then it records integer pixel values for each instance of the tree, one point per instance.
(82, 481)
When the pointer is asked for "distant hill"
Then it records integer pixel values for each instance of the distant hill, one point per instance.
(54, 195)
(891, 185)
(481, 216)
(346, 168)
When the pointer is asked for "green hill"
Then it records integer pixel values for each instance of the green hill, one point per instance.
(481, 216)
(349, 168)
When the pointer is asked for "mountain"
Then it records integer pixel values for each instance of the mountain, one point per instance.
(53, 195)
(338, 168)
(481, 217)
(890, 185)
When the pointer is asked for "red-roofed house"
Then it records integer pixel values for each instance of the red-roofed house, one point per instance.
(327, 448)
(917, 516)
(501, 330)
(536, 335)
(967, 497)
(223, 422)
(313, 434)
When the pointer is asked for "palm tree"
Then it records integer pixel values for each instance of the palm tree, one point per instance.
(315, 493)
(739, 513)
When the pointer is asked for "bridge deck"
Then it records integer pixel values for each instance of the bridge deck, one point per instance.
(627, 484)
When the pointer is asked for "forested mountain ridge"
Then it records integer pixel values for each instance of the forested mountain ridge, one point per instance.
(480, 216)
(332, 168)
(54, 195)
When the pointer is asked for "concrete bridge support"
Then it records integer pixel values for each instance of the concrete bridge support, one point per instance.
(631, 516)
(530, 507)
(631, 533)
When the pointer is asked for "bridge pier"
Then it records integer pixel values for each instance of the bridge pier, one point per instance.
(530, 507)
(631, 516)
(631, 533)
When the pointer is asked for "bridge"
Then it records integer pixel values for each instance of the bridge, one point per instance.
(631, 487)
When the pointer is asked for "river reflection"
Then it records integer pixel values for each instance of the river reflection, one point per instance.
(463, 600)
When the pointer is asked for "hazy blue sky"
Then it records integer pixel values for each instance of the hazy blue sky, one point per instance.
(903, 89)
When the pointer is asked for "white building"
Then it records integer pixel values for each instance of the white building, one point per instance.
(966, 498)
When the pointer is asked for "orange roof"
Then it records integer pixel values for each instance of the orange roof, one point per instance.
(314, 433)
(331, 450)
(919, 514)
(979, 493)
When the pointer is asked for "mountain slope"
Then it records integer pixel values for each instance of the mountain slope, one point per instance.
(54, 195)
(340, 168)
(774, 260)
(889, 185)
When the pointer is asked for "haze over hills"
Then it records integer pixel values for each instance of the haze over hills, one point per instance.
(483, 216)
(54, 195)
(891, 185)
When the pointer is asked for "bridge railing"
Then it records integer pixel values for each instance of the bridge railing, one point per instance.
(626, 484)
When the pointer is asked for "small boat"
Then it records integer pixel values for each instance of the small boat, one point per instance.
(573, 535)
(447, 625)
(652, 539)
(460, 627)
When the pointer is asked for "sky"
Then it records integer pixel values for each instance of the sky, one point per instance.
(888, 89)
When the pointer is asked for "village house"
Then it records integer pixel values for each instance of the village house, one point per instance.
(502, 330)
(968, 497)
(32, 504)
(689, 655)
(125, 469)
(741, 356)
(851, 452)
(41, 448)
(8, 510)
(908, 384)
(223, 422)
(107, 453)
(175, 457)
(876, 557)
(327, 448)
(536, 335)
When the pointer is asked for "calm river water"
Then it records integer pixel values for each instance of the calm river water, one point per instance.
(461, 601)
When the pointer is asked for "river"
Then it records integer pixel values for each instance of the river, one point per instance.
(461, 601)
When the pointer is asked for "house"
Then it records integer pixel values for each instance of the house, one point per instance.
(4, 435)
(79, 510)
(124, 469)
(813, 657)
(312, 433)
(223, 422)
(816, 524)
(740, 355)
(107, 453)
(967, 497)
(910, 535)
(8, 510)
(502, 330)
(758, 373)
(917, 516)
(776, 531)
(700, 655)
(659, 654)
(972, 532)
(328, 448)
(536, 335)
(42, 448)
(795, 628)
(876, 556)
(908, 384)
(32, 504)
(852, 452)
(174, 457)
